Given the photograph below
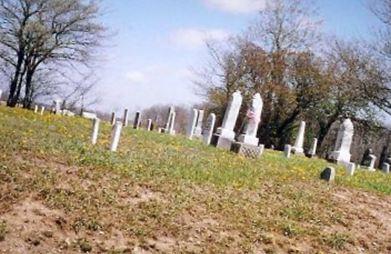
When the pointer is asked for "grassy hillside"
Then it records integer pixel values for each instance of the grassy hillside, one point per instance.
(168, 194)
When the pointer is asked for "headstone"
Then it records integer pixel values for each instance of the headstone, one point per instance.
(312, 152)
(192, 124)
(298, 147)
(208, 130)
(89, 115)
(1, 93)
(42, 110)
(149, 125)
(36, 109)
(341, 153)
(95, 130)
(66, 112)
(57, 106)
(125, 119)
(350, 168)
(169, 117)
(113, 119)
(171, 126)
(137, 120)
(272, 147)
(328, 174)
(287, 151)
(115, 136)
(372, 163)
(248, 151)
(253, 118)
(225, 134)
(198, 127)
(386, 168)
(366, 159)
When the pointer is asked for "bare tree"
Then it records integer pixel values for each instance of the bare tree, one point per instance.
(39, 34)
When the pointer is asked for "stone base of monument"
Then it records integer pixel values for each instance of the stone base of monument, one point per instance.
(249, 151)
(298, 151)
(221, 142)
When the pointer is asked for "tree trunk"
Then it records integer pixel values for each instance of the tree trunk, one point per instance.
(15, 82)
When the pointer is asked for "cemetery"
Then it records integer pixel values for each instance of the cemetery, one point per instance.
(104, 187)
(205, 126)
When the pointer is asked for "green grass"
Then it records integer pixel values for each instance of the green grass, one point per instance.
(52, 157)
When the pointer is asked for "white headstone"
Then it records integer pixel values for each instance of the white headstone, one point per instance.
(36, 109)
(209, 127)
(341, 153)
(89, 115)
(42, 110)
(372, 164)
(198, 127)
(149, 125)
(253, 119)
(171, 125)
(113, 119)
(169, 117)
(57, 106)
(231, 114)
(1, 93)
(125, 119)
(298, 147)
(95, 130)
(192, 124)
(287, 151)
(386, 168)
(314, 146)
(115, 135)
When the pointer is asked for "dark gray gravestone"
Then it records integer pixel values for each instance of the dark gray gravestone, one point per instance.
(328, 174)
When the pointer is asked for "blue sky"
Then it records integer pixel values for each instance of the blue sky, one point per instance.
(157, 42)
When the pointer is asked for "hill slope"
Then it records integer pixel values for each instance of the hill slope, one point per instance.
(167, 194)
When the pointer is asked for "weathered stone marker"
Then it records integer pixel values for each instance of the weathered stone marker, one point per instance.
(312, 152)
(372, 163)
(57, 107)
(115, 136)
(171, 126)
(36, 109)
(328, 174)
(192, 124)
(198, 127)
(95, 130)
(209, 127)
(149, 125)
(350, 168)
(341, 152)
(386, 168)
(287, 151)
(42, 110)
(125, 119)
(113, 119)
(249, 135)
(137, 120)
(225, 134)
(298, 147)
(247, 144)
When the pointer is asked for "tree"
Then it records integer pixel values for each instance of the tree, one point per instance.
(40, 34)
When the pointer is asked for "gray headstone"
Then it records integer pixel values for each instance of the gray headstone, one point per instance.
(287, 151)
(312, 152)
(328, 174)
(208, 130)
(137, 120)
(125, 119)
(386, 168)
(198, 127)
(115, 136)
(113, 119)
(149, 125)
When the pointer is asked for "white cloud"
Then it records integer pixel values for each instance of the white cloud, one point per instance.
(237, 6)
(136, 77)
(193, 38)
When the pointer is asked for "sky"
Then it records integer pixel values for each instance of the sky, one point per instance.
(157, 43)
